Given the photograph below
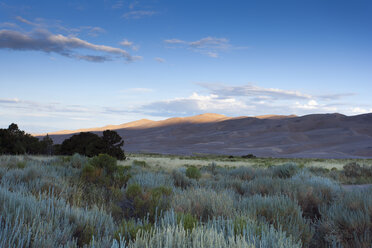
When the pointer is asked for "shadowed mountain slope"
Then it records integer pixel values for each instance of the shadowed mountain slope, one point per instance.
(318, 135)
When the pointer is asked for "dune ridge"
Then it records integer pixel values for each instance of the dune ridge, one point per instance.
(316, 135)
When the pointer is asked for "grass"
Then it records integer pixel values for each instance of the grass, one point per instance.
(203, 200)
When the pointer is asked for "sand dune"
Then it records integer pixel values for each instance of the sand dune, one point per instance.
(320, 135)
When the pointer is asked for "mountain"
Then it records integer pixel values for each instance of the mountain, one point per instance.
(317, 135)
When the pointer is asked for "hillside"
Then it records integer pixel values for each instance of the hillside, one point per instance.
(318, 135)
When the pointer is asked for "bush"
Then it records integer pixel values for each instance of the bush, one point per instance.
(139, 163)
(280, 211)
(180, 180)
(105, 162)
(285, 170)
(204, 203)
(140, 203)
(78, 161)
(347, 222)
(129, 229)
(187, 220)
(193, 172)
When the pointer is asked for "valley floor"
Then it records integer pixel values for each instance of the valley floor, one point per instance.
(152, 200)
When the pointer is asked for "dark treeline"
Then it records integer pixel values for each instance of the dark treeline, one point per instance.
(14, 141)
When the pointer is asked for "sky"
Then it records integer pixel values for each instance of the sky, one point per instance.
(79, 64)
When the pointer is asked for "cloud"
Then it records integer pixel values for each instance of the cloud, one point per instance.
(40, 23)
(160, 60)
(129, 44)
(210, 46)
(359, 110)
(3, 100)
(253, 91)
(25, 21)
(8, 25)
(118, 4)
(43, 40)
(250, 100)
(194, 104)
(137, 14)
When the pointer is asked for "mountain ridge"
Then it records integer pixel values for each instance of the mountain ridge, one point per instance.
(317, 136)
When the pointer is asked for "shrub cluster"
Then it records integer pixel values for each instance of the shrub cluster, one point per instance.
(76, 201)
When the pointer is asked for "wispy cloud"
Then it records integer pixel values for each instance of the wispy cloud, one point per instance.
(138, 14)
(251, 100)
(195, 104)
(253, 90)
(129, 44)
(43, 40)
(210, 46)
(160, 60)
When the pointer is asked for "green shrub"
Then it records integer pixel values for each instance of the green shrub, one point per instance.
(193, 172)
(180, 180)
(106, 162)
(150, 203)
(280, 211)
(204, 203)
(78, 161)
(187, 220)
(139, 163)
(285, 170)
(128, 229)
(21, 164)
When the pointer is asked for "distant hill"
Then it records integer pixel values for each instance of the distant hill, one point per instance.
(318, 135)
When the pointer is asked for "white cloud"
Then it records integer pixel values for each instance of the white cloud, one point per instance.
(359, 110)
(129, 44)
(160, 60)
(195, 104)
(253, 90)
(137, 14)
(210, 46)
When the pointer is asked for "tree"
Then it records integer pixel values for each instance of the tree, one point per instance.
(15, 141)
(85, 143)
(113, 143)
(47, 144)
(90, 144)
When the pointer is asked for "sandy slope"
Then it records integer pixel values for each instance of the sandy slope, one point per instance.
(321, 135)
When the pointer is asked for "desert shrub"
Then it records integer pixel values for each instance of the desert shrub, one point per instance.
(243, 173)
(21, 164)
(249, 156)
(193, 172)
(139, 163)
(353, 169)
(103, 170)
(280, 211)
(151, 179)
(204, 203)
(78, 161)
(187, 220)
(140, 203)
(180, 180)
(46, 221)
(347, 222)
(285, 170)
(211, 234)
(128, 229)
(309, 191)
(105, 162)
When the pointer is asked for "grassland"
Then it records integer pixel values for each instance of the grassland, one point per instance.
(158, 201)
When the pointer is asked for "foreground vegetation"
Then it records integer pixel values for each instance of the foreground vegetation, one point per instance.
(75, 201)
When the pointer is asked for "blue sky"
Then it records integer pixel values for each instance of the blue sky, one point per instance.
(74, 64)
